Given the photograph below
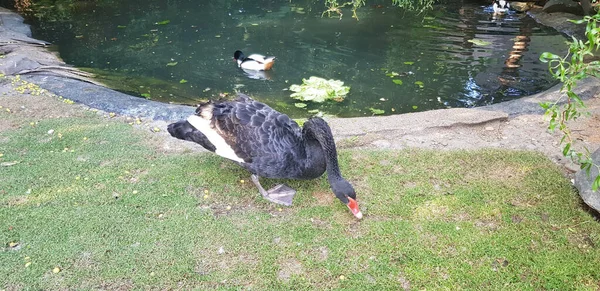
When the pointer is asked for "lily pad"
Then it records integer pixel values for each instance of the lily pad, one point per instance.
(376, 111)
(300, 105)
(420, 84)
(318, 90)
(409, 63)
(479, 42)
(392, 74)
(397, 81)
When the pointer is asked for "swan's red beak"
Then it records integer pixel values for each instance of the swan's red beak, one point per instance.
(353, 205)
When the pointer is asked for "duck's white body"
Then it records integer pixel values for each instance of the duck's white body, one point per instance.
(501, 6)
(254, 62)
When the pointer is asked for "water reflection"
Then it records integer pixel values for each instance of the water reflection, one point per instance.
(455, 56)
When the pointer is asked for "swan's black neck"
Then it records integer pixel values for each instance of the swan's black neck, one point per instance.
(318, 129)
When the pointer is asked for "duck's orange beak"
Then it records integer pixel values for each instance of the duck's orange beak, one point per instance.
(353, 205)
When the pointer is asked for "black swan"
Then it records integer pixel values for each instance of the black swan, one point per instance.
(268, 144)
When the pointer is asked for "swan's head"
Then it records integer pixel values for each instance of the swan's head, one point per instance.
(345, 192)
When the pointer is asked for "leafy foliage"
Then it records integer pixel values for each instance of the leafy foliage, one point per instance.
(333, 6)
(318, 90)
(569, 70)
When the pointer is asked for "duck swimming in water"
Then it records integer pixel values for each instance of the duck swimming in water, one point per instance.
(501, 6)
(268, 144)
(254, 62)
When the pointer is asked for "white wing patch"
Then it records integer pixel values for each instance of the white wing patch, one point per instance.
(222, 148)
(258, 58)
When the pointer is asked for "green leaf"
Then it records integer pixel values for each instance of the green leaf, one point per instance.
(580, 21)
(146, 95)
(409, 63)
(392, 74)
(121, 26)
(546, 57)
(397, 81)
(318, 90)
(415, 107)
(420, 84)
(163, 22)
(434, 26)
(171, 64)
(300, 121)
(596, 183)
(183, 81)
(566, 149)
(479, 42)
(300, 105)
(376, 111)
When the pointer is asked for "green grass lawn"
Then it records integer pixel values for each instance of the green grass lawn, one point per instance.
(93, 206)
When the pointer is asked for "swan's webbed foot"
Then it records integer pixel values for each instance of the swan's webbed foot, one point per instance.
(280, 194)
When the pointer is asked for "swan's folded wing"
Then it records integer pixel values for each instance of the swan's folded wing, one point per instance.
(253, 129)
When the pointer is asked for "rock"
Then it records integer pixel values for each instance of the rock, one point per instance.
(382, 144)
(583, 183)
(568, 6)
(521, 6)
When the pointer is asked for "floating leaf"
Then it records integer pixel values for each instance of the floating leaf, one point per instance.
(409, 63)
(479, 42)
(183, 81)
(8, 164)
(171, 64)
(397, 81)
(121, 26)
(318, 90)
(300, 121)
(434, 27)
(376, 111)
(163, 22)
(300, 105)
(420, 84)
(415, 107)
(146, 95)
(392, 74)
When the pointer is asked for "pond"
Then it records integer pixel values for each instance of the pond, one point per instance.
(456, 55)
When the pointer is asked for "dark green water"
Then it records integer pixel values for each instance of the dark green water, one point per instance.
(459, 52)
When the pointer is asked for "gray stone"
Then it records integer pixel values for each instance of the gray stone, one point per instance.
(14, 22)
(522, 6)
(382, 143)
(583, 183)
(568, 6)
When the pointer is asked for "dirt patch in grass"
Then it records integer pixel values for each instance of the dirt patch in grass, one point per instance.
(288, 268)
(324, 198)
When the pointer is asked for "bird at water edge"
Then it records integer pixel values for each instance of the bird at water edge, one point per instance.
(268, 144)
